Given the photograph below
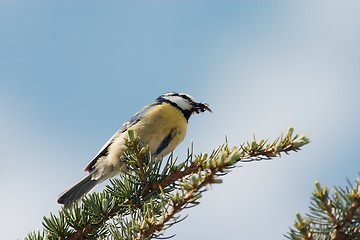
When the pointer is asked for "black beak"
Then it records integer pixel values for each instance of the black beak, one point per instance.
(201, 107)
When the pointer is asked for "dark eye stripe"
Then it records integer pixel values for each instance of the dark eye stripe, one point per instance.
(186, 97)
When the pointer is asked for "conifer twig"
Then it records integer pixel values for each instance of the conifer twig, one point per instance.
(333, 217)
(148, 198)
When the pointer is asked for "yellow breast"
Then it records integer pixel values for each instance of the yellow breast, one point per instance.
(162, 128)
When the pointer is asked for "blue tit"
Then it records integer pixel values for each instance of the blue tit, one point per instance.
(161, 126)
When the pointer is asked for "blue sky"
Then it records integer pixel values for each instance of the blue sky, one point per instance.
(71, 72)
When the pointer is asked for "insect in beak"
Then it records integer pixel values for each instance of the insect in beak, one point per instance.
(201, 107)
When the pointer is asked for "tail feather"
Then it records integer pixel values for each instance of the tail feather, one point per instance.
(76, 192)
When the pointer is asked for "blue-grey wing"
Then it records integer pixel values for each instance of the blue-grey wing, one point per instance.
(132, 121)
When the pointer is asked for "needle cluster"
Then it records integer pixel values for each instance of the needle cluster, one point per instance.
(148, 199)
(333, 215)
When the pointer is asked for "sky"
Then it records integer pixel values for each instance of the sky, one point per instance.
(72, 72)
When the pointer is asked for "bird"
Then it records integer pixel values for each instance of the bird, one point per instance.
(161, 126)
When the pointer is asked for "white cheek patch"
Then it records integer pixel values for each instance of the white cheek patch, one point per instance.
(180, 102)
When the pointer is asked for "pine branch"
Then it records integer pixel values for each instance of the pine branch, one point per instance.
(335, 217)
(143, 202)
(250, 151)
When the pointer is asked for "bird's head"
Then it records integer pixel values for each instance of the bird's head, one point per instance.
(184, 102)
